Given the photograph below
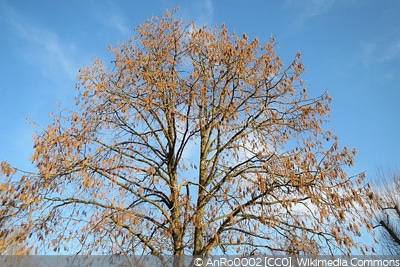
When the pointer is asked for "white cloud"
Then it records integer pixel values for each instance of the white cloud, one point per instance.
(118, 22)
(380, 50)
(309, 9)
(206, 12)
(201, 12)
(393, 51)
(41, 45)
(318, 7)
(113, 17)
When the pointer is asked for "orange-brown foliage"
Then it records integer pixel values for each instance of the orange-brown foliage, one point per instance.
(194, 139)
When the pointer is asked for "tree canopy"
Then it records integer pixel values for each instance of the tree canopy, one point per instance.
(194, 141)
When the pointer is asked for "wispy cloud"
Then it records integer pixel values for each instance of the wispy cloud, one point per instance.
(393, 51)
(41, 45)
(309, 9)
(118, 22)
(317, 7)
(205, 12)
(380, 50)
(201, 12)
(111, 16)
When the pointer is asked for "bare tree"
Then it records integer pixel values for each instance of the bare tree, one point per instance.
(388, 218)
(194, 141)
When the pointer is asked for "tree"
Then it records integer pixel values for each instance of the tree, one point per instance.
(15, 245)
(388, 218)
(13, 237)
(194, 141)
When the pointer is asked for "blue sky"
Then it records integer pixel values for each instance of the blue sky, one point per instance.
(350, 48)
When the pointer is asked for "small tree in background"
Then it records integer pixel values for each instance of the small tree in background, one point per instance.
(388, 218)
(194, 141)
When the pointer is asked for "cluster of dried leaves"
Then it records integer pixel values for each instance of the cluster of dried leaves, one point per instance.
(194, 141)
